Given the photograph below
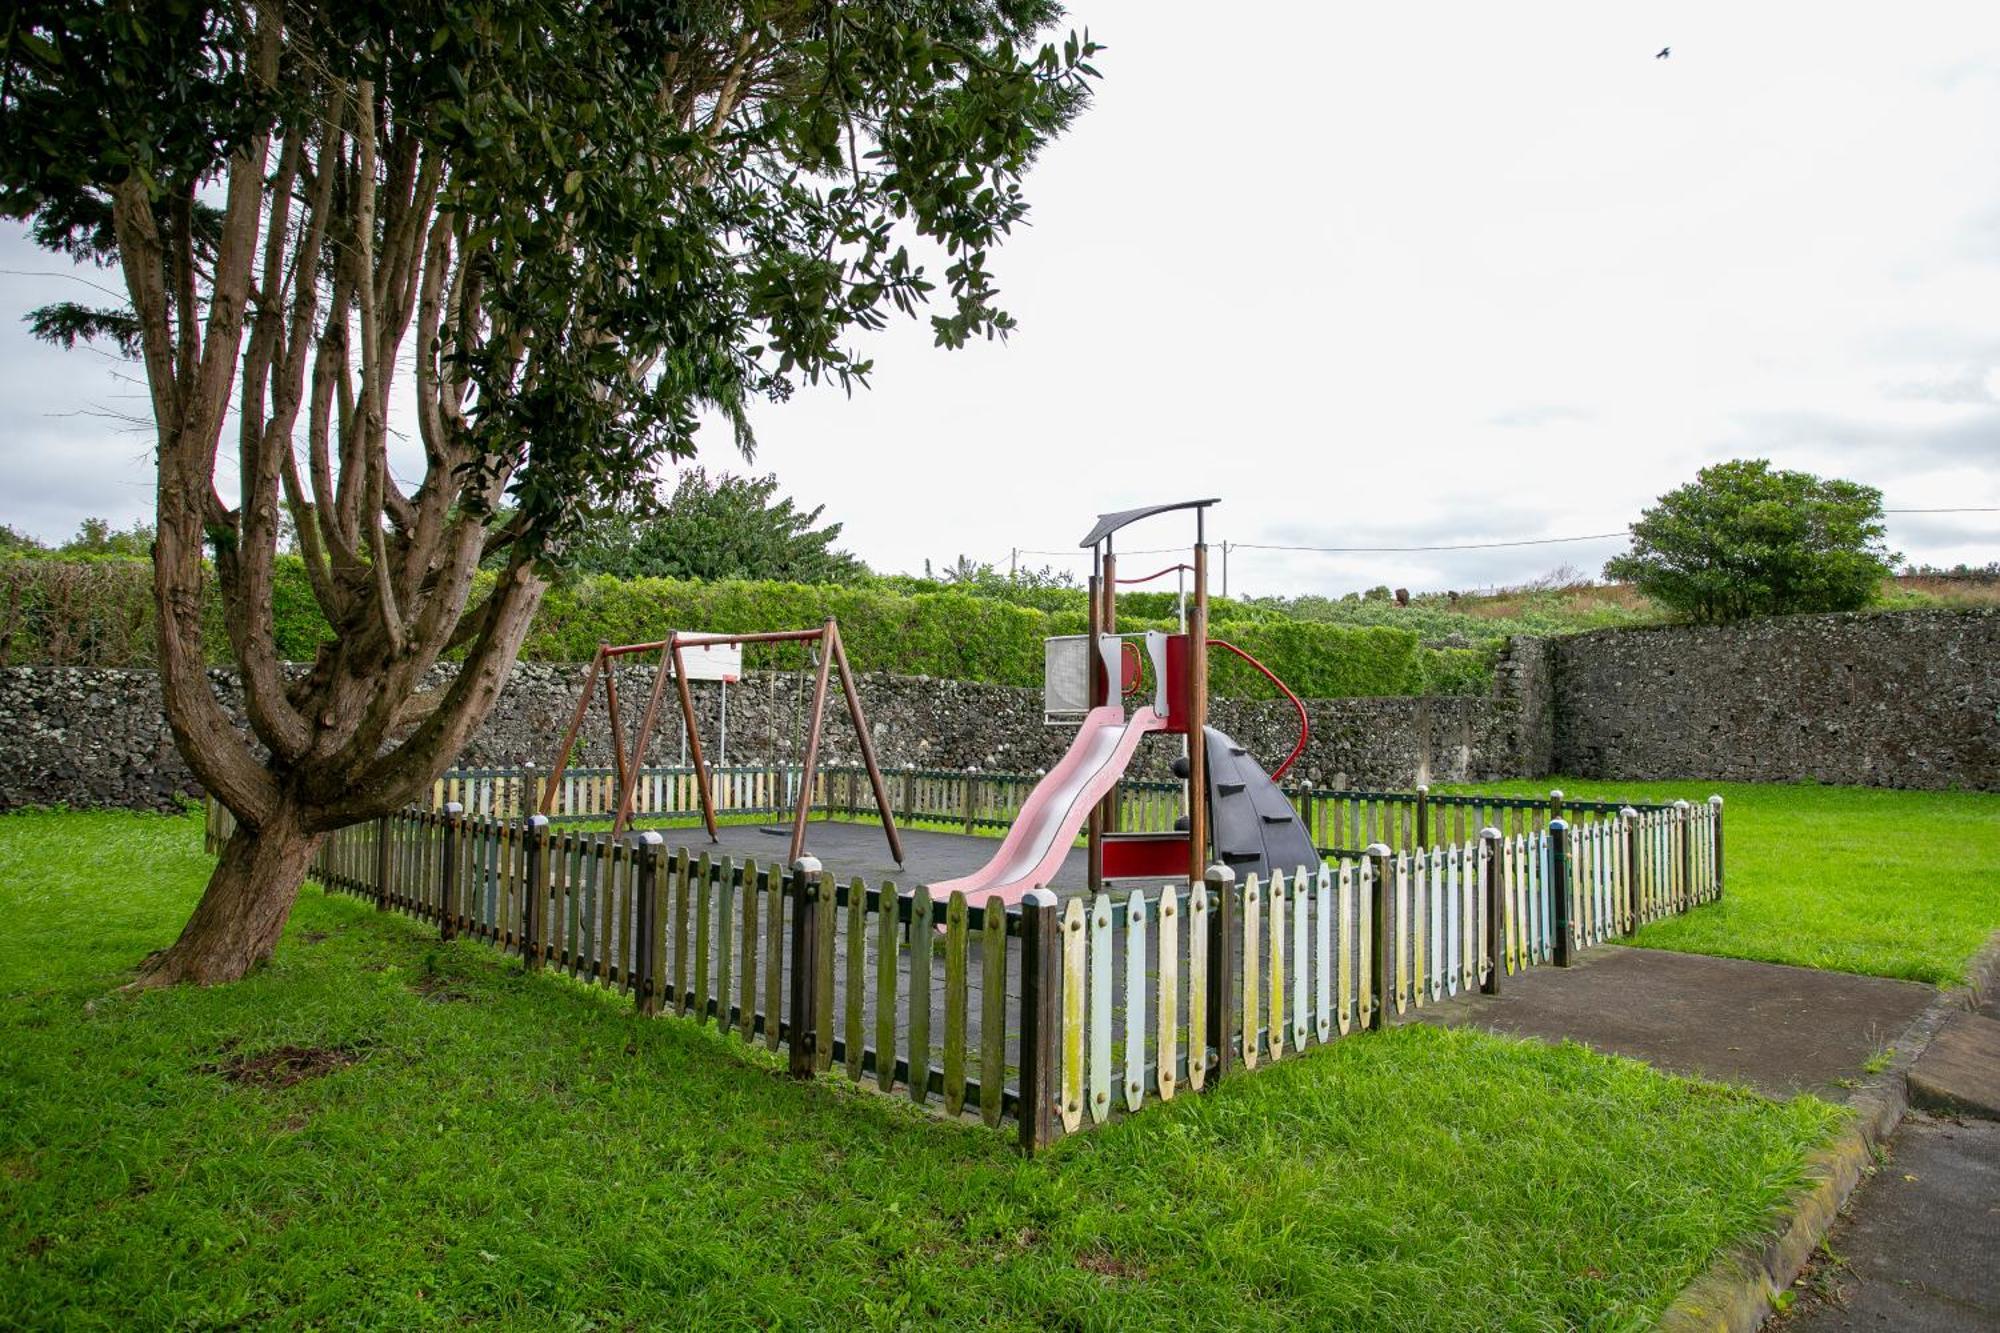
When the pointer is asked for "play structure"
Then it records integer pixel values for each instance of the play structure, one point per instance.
(674, 653)
(1118, 690)
(1233, 808)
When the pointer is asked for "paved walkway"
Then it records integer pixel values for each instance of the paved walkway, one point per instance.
(1919, 1246)
(1918, 1250)
(1781, 1030)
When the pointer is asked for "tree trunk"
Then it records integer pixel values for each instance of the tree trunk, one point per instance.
(243, 910)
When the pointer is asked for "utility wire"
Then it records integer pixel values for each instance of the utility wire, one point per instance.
(1468, 546)
(1461, 546)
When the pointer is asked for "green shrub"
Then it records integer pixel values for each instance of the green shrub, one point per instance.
(100, 613)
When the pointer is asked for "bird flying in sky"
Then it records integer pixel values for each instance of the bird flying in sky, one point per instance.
(1665, 51)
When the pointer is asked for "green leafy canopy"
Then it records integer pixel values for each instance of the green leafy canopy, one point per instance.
(720, 527)
(663, 208)
(1746, 539)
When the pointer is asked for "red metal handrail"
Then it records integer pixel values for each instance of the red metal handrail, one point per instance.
(1148, 578)
(1305, 724)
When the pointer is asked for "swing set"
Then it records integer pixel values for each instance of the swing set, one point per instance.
(827, 650)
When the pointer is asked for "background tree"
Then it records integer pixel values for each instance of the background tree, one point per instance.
(17, 543)
(720, 527)
(1746, 539)
(96, 536)
(563, 229)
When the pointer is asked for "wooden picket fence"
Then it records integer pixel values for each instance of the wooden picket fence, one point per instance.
(1048, 1016)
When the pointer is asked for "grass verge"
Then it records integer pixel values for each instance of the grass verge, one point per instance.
(378, 1129)
(1853, 879)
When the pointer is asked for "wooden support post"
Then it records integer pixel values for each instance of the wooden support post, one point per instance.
(534, 890)
(1628, 825)
(1381, 931)
(1423, 818)
(1197, 688)
(1493, 884)
(866, 744)
(1225, 950)
(646, 854)
(617, 721)
(1041, 1020)
(382, 864)
(1715, 805)
(673, 654)
(1096, 694)
(454, 830)
(806, 907)
(569, 733)
(1107, 809)
(1559, 905)
(1555, 803)
(809, 767)
(1683, 831)
(968, 783)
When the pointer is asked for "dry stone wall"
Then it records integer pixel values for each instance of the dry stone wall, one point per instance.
(1896, 699)
(96, 737)
(1904, 699)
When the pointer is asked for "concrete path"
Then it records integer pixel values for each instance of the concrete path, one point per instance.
(1919, 1245)
(1781, 1030)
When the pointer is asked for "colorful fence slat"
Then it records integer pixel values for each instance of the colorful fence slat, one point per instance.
(1135, 996)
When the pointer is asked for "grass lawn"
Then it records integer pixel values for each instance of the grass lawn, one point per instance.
(481, 1145)
(1854, 879)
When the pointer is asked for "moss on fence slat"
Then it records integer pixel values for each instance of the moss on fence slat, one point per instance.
(99, 613)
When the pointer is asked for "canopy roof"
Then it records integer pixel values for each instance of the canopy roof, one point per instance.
(1110, 523)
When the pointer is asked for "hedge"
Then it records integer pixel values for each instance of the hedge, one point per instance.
(100, 613)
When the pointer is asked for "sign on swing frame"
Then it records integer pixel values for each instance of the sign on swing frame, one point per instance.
(713, 661)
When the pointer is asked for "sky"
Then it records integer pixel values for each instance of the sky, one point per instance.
(1383, 276)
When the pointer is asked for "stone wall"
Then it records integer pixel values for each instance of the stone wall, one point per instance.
(1902, 699)
(96, 737)
(1909, 699)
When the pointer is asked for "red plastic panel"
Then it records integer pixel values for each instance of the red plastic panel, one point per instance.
(1145, 854)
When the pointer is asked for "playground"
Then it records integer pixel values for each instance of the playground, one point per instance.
(1227, 799)
(1210, 923)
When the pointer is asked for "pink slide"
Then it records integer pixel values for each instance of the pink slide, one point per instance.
(1056, 810)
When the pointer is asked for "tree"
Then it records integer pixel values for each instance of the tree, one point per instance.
(573, 227)
(1745, 539)
(96, 536)
(723, 527)
(17, 543)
